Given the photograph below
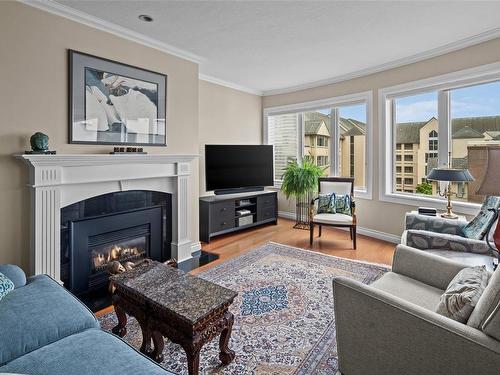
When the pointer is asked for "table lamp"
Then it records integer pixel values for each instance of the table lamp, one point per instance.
(491, 186)
(449, 175)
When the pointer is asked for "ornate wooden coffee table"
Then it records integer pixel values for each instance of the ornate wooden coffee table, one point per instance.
(168, 302)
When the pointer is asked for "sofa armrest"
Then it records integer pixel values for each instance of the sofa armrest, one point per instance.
(428, 268)
(434, 224)
(14, 273)
(426, 240)
(376, 330)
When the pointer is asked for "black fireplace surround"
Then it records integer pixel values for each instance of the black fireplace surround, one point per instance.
(122, 226)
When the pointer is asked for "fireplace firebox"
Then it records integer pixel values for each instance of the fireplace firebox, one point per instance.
(117, 227)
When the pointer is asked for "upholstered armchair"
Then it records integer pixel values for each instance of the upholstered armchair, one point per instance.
(446, 238)
(341, 215)
(390, 327)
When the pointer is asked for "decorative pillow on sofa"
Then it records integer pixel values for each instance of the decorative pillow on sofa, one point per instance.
(343, 204)
(477, 228)
(487, 303)
(463, 292)
(6, 286)
(326, 204)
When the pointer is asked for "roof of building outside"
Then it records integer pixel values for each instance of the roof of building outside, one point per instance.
(467, 132)
(410, 132)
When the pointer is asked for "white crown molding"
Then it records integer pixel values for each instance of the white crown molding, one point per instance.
(447, 48)
(97, 23)
(228, 84)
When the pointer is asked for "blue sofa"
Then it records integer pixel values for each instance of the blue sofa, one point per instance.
(45, 330)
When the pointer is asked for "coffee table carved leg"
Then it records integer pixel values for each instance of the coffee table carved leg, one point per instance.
(193, 360)
(146, 340)
(121, 328)
(159, 345)
(226, 355)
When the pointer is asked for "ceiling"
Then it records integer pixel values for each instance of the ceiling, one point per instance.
(274, 46)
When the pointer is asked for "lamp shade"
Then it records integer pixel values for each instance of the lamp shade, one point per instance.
(491, 181)
(450, 174)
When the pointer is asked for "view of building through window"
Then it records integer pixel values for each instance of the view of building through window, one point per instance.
(337, 131)
(474, 127)
(416, 142)
(349, 124)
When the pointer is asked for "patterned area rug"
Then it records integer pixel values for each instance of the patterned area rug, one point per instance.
(284, 321)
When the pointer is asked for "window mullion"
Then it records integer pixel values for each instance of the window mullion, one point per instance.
(334, 143)
(300, 135)
(444, 136)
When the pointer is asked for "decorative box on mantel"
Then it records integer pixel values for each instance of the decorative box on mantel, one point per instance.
(57, 181)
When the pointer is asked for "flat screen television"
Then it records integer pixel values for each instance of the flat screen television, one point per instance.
(237, 168)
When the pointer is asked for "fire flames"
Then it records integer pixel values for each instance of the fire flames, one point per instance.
(115, 253)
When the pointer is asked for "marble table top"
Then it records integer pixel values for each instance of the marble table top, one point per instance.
(189, 297)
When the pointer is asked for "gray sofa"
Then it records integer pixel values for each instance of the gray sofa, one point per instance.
(390, 327)
(45, 330)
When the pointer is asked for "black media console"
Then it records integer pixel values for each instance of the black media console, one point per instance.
(221, 214)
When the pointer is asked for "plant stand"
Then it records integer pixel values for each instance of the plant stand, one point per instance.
(302, 212)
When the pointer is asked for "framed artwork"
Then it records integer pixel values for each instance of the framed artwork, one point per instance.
(112, 103)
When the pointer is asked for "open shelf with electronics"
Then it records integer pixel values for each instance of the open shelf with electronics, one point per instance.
(222, 214)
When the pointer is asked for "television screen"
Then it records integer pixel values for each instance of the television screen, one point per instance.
(240, 166)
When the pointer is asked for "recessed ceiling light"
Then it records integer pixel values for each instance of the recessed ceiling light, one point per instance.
(145, 18)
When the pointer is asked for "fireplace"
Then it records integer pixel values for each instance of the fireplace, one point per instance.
(111, 230)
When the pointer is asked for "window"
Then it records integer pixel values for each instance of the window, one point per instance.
(408, 181)
(283, 134)
(408, 169)
(475, 126)
(322, 141)
(333, 133)
(398, 180)
(450, 120)
(408, 146)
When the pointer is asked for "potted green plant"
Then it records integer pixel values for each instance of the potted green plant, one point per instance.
(300, 180)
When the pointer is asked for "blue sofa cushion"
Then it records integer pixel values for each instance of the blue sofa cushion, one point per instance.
(90, 352)
(6, 286)
(38, 314)
(14, 273)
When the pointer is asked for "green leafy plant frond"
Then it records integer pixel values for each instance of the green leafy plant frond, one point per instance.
(301, 178)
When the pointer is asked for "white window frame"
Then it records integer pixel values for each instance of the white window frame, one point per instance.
(442, 84)
(366, 98)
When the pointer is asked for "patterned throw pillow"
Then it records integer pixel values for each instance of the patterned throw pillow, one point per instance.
(6, 286)
(343, 204)
(463, 292)
(326, 204)
(478, 227)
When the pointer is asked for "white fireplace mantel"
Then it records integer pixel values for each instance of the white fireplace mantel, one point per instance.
(57, 181)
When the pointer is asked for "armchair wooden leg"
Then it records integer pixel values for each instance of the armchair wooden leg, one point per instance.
(350, 232)
(354, 237)
(311, 233)
(319, 231)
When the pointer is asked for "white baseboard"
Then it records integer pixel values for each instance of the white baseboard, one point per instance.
(364, 231)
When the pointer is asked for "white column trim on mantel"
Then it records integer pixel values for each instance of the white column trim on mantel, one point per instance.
(60, 180)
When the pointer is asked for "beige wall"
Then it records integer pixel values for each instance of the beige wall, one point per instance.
(370, 212)
(227, 116)
(34, 97)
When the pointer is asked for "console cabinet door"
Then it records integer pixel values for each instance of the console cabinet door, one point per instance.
(221, 216)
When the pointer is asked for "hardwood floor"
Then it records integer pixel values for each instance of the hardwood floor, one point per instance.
(332, 242)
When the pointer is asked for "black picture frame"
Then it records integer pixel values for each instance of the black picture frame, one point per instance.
(125, 113)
